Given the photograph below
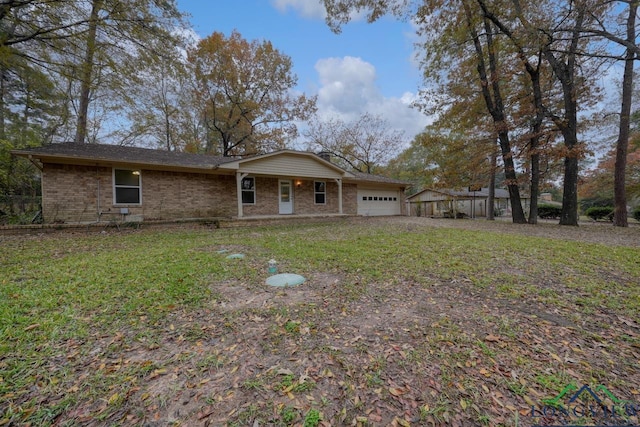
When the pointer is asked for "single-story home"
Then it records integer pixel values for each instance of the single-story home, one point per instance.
(99, 182)
(456, 203)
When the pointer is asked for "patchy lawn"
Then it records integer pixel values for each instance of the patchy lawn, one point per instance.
(401, 322)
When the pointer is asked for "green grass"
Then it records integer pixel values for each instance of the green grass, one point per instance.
(71, 297)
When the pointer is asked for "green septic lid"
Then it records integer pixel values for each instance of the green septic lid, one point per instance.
(285, 279)
(235, 256)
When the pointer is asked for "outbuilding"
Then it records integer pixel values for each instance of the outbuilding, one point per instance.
(451, 203)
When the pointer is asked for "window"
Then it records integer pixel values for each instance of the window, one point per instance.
(320, 192)
(126, 187)
(248, 191)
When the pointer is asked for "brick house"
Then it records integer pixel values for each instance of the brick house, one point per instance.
(97, 182)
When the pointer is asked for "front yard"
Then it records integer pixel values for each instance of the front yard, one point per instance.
(402, 321)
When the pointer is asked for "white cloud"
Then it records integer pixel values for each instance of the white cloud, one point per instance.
(306, 8)
(311, 9)
(348, 89)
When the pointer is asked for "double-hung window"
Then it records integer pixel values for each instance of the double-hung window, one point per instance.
(320, 192)
(248, 190)
(127, 189)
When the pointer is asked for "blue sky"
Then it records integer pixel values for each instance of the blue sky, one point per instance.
(366, 68)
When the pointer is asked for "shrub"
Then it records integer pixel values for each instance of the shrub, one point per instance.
(636, 213)
(595, 201)
(549, 211)
(600, 212)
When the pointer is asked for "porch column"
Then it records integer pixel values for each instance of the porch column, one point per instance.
(239, 177)
(339, 182)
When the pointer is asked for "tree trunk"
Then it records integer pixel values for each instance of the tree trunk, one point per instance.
(622, 145)
(534, 142)
(3, 94)
(568, 125)
(86, 72)
(534, 76)
(535, 188)
(492, 188)
(496, 108)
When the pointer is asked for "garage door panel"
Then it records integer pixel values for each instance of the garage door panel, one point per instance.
(373, 202)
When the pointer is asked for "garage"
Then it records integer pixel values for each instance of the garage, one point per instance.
(378, 202)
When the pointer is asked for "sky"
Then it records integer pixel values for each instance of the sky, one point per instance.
(367, 68)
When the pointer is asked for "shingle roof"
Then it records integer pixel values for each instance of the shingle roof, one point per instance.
(484, 192)
(361, 176)
(116, 153)
(159, 158)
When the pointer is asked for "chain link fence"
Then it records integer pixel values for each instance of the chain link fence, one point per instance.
(20, 209)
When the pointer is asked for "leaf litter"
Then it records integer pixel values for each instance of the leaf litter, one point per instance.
(438, 352)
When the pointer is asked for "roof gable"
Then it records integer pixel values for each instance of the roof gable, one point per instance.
(288, 163)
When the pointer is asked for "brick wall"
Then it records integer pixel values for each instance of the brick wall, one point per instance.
(169, 195)
(70, 194)
(267, 193)
(266, 198)
(350, 195)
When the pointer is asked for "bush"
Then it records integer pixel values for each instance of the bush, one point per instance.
(549, 211)
(595, 201)
(636, 213)
(600, 212)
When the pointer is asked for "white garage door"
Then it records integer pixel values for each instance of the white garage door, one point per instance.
(374, 202)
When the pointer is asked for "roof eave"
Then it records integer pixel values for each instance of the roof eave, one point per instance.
(108, 162)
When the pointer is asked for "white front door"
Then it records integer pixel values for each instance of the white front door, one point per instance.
(285, 197)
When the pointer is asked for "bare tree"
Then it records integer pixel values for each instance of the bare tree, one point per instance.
(362, 145)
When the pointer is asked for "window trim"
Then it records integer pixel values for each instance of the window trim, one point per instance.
(317, 193)
(116, 186)
(249, 190)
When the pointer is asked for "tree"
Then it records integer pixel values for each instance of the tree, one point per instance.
(553, 31)
(89, 47)
(491, 92)
(531, 59)
(464, 43)
(473, 54)
(33, 22)
(627, 40)
(415, 164)
(362, 145)
(116, 35)
(597, 186)
(165, 112)
(28, 105)
(563, 46)
(445, 160)
(245, 95)
(619, 182)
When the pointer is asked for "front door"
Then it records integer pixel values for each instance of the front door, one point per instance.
(286, 197)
